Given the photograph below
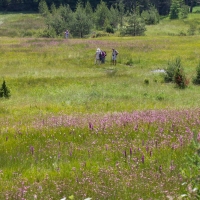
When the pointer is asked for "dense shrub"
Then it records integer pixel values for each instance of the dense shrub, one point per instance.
(184, 10)
(181, 33)
(146, 81)
(109, 29)
(150, 16)
(28, 33)
(101, 34)
(49, 33)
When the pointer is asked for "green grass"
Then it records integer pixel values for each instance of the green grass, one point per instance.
(61, 75)
(20, 24)
(75, 128)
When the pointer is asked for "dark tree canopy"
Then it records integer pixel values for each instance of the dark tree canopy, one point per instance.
(163, 6)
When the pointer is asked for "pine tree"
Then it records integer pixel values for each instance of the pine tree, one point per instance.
(174, 9)
(4, 90)
(136, 26)
(43, 8)
(102, 16)
(121, 8)
(82, 23)
(53, 9)
(196, 80)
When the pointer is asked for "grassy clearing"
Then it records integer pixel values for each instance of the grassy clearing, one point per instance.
(49, 73)
(75, 129)
(20, 24)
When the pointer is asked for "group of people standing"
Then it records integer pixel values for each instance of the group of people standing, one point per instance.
(100, 56)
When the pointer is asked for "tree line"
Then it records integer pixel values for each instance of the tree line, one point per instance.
(84, 20)
(163, 6)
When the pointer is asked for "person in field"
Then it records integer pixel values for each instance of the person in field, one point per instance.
(98, 56)
(103, 56)
(114, 56)
(66, 34)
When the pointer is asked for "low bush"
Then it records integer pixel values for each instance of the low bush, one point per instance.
(146, 81)
(196, 80)
(102, 34)
(49, 33)
(129, 62)
(109, 29)
(150, 16)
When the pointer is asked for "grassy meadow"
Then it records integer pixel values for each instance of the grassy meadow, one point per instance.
(75, 130)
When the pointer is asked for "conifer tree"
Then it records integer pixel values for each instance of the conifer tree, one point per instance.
(102, 15)
(136, 26)
(53, 9)
(43, 8)
(4, 90)
(174, 9)
(82, 23)
(196, 80)
(121, 8)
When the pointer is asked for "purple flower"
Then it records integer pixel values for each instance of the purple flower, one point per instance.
(198, 137)
(91, 126)
(131, 152)
(32, 150)
(142, 158)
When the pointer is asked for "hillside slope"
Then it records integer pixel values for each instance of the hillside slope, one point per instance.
(29, 24)
(20, 24)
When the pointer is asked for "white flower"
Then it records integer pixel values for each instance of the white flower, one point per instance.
(195, 189)
(64, 198)
(182, 196)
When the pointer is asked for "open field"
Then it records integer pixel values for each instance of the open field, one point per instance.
(55, 75)
(78, 130)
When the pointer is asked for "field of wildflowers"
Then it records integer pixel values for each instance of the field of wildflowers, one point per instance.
(71, 130)
(136, 155)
